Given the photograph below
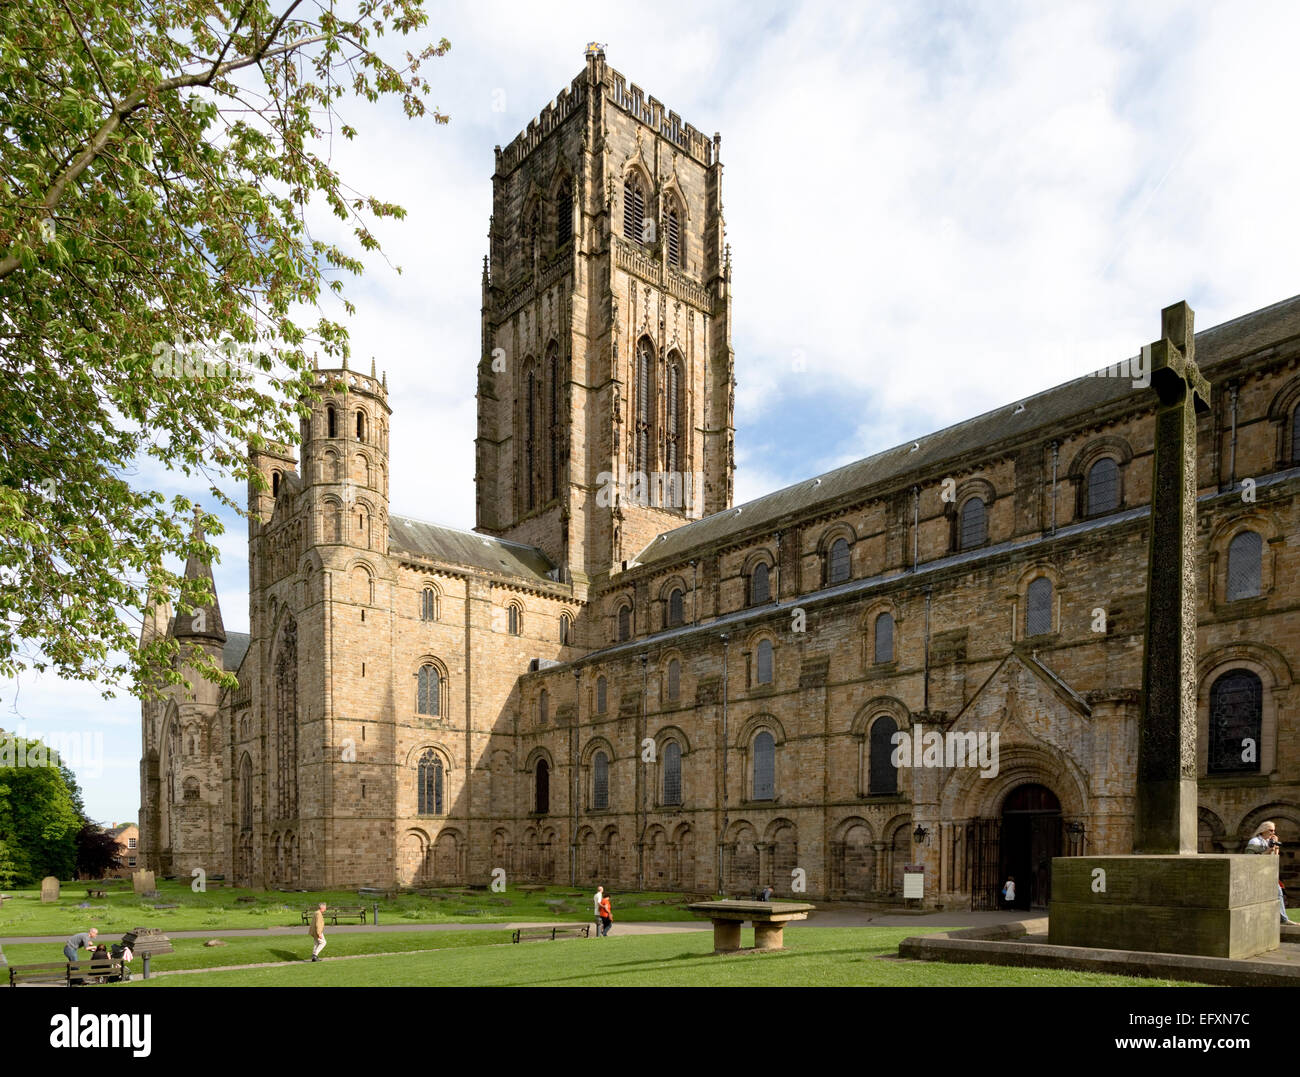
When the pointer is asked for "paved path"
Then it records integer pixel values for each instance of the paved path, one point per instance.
(838, 916)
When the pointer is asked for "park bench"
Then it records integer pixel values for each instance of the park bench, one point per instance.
(529, 934)
(332, 913)
(146, 942)
(96, 971)
(65, 973)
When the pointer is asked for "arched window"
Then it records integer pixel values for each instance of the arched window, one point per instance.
(673, 414)
(246, 792)
(543, 706)
(533, 230)
(428, 696)
(514, 619)
(1295, 436)
(330, 423)
(563, 214)
(275, 484)
(600, 782)
(672, 773)
(644, 407)
(1236, 716)
(429, 784)
(1244, 554)
(764, 766)
(674, 613)
(553, 380)
(675, 237)
(633, 209)
(882, 775)
(530, 438)
(884, 643)
(602, 695)
(974, 524)
(674, 678)
(1103, 486)
(190, 789)
(566, 630)
(764, 662)
(428, 605)
(361, 425)
(759, 591)
(624, 623)
(542, 788)
(837, 565)
(1038, 607)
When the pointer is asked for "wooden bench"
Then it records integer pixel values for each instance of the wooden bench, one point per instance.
(529, 934)
(332, 913)
(147, 942)
(65, 973)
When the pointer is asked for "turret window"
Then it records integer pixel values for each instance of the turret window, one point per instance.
(361, 425)
(563, 215)
(633, 210)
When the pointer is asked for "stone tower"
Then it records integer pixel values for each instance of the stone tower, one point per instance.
(605, 387)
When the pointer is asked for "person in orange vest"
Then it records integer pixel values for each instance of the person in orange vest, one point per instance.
(606, 915)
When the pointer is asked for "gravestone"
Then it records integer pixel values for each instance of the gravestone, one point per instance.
(49, 890)
(1165, 897)
(142, 881)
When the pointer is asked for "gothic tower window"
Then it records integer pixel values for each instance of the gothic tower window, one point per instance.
(1103, 486)
(542, 788)
(1244, 557)
(514, 619)
(1236, 715)
(330, 423)
(764, 766)
(566, 630)
(673, 413)
(361, 425)
(275, 484)
(534, 233)
(429, 784)
(672, 773)
(882, 775)
(553, 383)
(1038, 607)
(1295, 436)
(644, 406)
(530, 438)
(246, 791)
(600, 782)
(563, 215)
(286, 722)
(429, 604)
(674, 228)
(974, 524)
(428, 690)
(884, 643)
(634, 202)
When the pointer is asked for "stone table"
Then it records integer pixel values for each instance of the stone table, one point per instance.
(768, 917)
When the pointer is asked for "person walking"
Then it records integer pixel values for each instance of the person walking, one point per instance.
(318, 932)
(1265, 842)
(84, 939)
(1009, 892)
(596, 899)
(606, 915)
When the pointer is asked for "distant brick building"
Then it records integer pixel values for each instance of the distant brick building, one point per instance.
(620, 677)
(128, 841)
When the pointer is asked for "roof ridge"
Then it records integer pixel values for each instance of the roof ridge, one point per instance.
(471, 534)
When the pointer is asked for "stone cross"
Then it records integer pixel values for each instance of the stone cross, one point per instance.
(1166, 779)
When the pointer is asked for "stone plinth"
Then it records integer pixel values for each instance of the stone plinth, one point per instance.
(1210, 905)
(768, 917)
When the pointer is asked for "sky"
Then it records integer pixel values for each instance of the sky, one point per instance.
(934, 209)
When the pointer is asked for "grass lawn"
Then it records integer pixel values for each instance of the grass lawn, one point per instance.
(830, 957)
(23, 913)
(193, 954)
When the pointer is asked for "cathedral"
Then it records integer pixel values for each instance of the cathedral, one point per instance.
(927, 663)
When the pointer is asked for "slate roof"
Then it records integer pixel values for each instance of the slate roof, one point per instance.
(1051, 408)
(468, 549)
(232, 654)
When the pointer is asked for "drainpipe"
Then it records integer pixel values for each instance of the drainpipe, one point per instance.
(926, 696)
(695, 592)
(641, 824)
(722, 833)
(1232, 445)
(1056, 453)
(916, 526)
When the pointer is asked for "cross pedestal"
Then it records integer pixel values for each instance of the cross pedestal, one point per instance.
(1166, 898)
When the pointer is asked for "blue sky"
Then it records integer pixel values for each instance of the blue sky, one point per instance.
(934, 209)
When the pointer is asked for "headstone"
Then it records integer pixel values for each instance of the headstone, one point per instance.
(49, 890)
(1165, 898)
(142, 881)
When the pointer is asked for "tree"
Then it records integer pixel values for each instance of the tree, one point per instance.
(38, 816)
(160, 288)
(97, 851)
